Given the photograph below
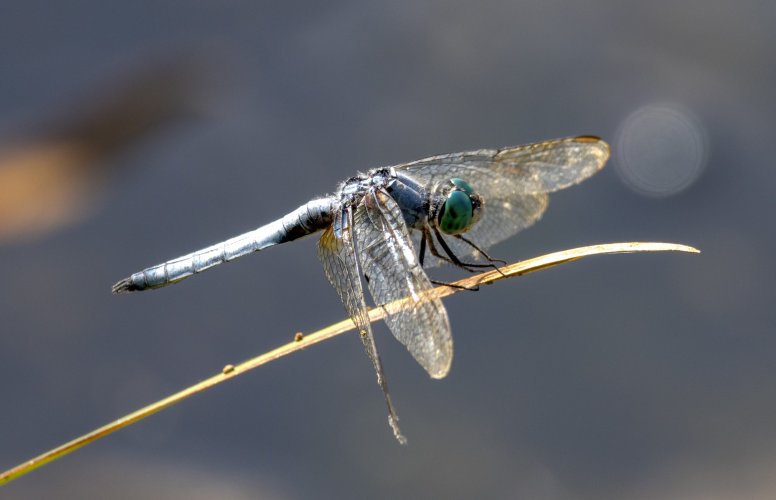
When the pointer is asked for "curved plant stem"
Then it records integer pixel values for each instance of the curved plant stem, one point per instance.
(303, 341)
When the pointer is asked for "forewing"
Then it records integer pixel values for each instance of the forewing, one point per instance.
(513, 182)
(391, 266)
(337, 253)
(529, 169)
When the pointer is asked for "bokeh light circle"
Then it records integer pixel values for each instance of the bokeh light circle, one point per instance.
(661, 149)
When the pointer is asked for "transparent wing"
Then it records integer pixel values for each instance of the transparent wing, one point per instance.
(393, 272)
(513, 182)
(542, 167)
(337, 253)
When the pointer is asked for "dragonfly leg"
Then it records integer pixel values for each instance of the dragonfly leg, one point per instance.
(455, 260)
(435, 253)
(433, 249)
(474, 288)
(480, 250)
(483, 253)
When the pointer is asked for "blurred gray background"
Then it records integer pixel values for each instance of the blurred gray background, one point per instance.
(616, 377)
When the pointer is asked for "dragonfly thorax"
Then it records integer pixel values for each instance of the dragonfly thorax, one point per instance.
(453, 206)
(353, 189)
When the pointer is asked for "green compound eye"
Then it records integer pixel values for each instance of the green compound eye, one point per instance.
(462, 185)
(457, 211)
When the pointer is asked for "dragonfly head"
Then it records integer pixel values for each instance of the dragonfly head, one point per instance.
(461, 208)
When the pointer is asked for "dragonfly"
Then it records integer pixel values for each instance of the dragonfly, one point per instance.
(381, 229)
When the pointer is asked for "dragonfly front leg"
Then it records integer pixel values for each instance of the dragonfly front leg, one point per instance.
(480, 250)
(435, 253)
(427, 242)
(452, 258)
(484, 254)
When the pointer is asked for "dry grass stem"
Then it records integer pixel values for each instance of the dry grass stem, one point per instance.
(303, 341)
